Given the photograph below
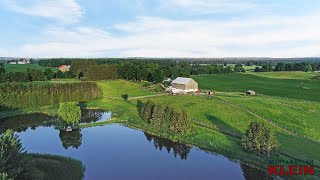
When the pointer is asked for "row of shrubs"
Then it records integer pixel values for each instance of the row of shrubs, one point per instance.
(19, 95)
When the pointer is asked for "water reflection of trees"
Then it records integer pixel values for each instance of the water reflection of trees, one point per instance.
(71, 139)
(91, 115)
(178, 149)
(253, 173)
(23, 122)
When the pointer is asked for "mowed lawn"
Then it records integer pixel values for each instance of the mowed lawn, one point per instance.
(225, 117)
(228, 118)
(24, 67)
(240, 82)
(298, 116)
(116, 88)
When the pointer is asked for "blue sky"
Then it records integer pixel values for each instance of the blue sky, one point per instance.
(159, 28)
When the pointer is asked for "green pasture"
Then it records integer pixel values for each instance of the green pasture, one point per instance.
(240, 82)
(24, 67)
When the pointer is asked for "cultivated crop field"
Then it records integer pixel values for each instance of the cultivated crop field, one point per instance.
(286, 88)
(24, 67)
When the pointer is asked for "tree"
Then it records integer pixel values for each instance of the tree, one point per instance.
(147, 111)
(259, 139)
(49, 73)
(158, 76)
(2, 69)
(102, 72)
(308, 67)
(14, 161)
(70, 113)
(35, 75)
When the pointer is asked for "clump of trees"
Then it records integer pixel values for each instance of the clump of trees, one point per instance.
(15, 163)
(69, 113)
(102, 72)
(21, 95)
(259, 139)
(166, 118)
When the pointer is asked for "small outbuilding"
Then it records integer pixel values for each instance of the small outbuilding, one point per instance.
(251, 93)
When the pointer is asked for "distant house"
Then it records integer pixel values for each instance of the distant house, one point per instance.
(183, 85)
(64, 68)
(250, 92)
(23, 61)
(12, 62)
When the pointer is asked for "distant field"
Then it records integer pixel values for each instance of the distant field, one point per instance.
(286, 75)
(24, 67)
(288, 88)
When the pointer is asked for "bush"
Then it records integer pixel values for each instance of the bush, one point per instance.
(259, 139)
(125, 96)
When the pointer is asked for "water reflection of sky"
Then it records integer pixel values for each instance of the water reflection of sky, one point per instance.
(117, 152)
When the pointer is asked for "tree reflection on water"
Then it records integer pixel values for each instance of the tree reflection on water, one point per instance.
(71, 139)
(178, 149)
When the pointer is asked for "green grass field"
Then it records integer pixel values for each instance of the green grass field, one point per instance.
(286, 75)
(239, 82)
(218, 125)
(116, 88)
(226, 119)
(24, 67)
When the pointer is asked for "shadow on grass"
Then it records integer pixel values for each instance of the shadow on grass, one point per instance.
(223, 126)
(139, 106)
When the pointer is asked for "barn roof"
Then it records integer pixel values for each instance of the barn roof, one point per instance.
(181, 80)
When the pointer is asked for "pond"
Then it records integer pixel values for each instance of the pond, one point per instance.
(117, 152)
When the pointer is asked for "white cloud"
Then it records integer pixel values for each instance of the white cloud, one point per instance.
(209, 6)
(67, 11)
(159, 37)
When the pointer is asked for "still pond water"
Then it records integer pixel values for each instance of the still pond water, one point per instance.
(117, 152)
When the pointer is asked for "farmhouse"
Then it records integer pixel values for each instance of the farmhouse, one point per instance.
(64, 68)
(183, 85)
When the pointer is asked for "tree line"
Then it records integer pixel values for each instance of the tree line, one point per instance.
(136, 70)
(282, 66)
(166, 118)
(21, 95)
(28, 76)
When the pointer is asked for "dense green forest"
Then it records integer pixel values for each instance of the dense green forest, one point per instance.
(22, 95)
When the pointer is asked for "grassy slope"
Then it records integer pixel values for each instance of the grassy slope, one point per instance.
(116, 88)
(229, 118)
(57, 167)
(24, 67)
(299, 116)
(286, 75)
(288, 88)
(212, 112)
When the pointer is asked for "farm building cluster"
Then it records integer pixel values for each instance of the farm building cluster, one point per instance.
(183, 85)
